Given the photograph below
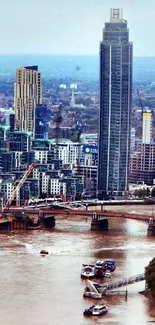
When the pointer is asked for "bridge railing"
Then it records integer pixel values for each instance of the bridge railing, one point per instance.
(123, 282)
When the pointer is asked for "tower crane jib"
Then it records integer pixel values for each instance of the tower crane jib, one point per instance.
(18, 187)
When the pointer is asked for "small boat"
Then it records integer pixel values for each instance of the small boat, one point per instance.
(105, 265)
(98, 269)
(109, 265)
(43, 252)
(107, 273)
(87, 271)
(88, 312)
(97, 310)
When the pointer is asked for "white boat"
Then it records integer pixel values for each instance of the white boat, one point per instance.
(99, 310)
(107, 273)
(87, 271)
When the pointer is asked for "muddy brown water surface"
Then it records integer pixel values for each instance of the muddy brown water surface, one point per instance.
(37, 290)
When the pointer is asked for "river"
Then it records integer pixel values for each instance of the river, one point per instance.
(36, 290)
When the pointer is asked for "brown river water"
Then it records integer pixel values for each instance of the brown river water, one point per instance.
(37, 290)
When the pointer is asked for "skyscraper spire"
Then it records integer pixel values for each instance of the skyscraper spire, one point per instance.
(72, 102)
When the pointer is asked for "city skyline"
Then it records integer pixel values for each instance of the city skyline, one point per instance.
(74, 28)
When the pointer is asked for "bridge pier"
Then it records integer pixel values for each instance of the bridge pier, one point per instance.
(151, 227)
(98, 223)
(48, 221)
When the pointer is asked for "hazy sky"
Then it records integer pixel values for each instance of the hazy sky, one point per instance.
(71, 26)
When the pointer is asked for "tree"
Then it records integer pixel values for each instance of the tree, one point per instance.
(150, 277)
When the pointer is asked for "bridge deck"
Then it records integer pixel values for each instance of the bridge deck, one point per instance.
(78, 212)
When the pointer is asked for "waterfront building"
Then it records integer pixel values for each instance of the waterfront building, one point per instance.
(89, 174)
(147, 127)
(115, 106)
(142, 164)
(69, 152)
(28, 94)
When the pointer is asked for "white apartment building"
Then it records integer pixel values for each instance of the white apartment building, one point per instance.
(69, 152)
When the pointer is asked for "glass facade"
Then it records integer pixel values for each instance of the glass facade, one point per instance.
(115, 108)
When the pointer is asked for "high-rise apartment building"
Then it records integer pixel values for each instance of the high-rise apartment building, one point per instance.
(115, 106)
(28, 94)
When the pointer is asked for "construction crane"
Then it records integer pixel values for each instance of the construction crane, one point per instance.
(18, 187)
(140, 102)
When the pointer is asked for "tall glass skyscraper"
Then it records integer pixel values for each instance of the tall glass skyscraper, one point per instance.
(115, 106)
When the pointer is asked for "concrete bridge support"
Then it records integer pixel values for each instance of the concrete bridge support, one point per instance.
(48, 221)
(99, 223)
(151, 227)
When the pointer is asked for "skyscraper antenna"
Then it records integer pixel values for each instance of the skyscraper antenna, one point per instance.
(116, 15)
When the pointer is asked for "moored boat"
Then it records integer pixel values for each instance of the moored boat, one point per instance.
(109, 265)
(98, 269)
(99, 310)
(96, 310)
(107, 273)
(105, 265)
(87, 271)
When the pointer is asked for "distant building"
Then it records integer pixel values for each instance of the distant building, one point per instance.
(28, 94)
(147, 127)
(4, 143)
(132, 140)
(41, 122)
(115, 107)
(72, 102)
(89, 138)
(142, 164)
(7, 117)
(20, 141)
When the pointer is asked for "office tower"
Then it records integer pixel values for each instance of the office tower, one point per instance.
(115, 106)
(42, 117)
(27, 95)
(147, 127)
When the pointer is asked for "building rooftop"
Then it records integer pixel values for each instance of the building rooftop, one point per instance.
(28, 133)
(5, 127)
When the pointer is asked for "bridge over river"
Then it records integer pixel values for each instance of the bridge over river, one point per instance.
(97, 214)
